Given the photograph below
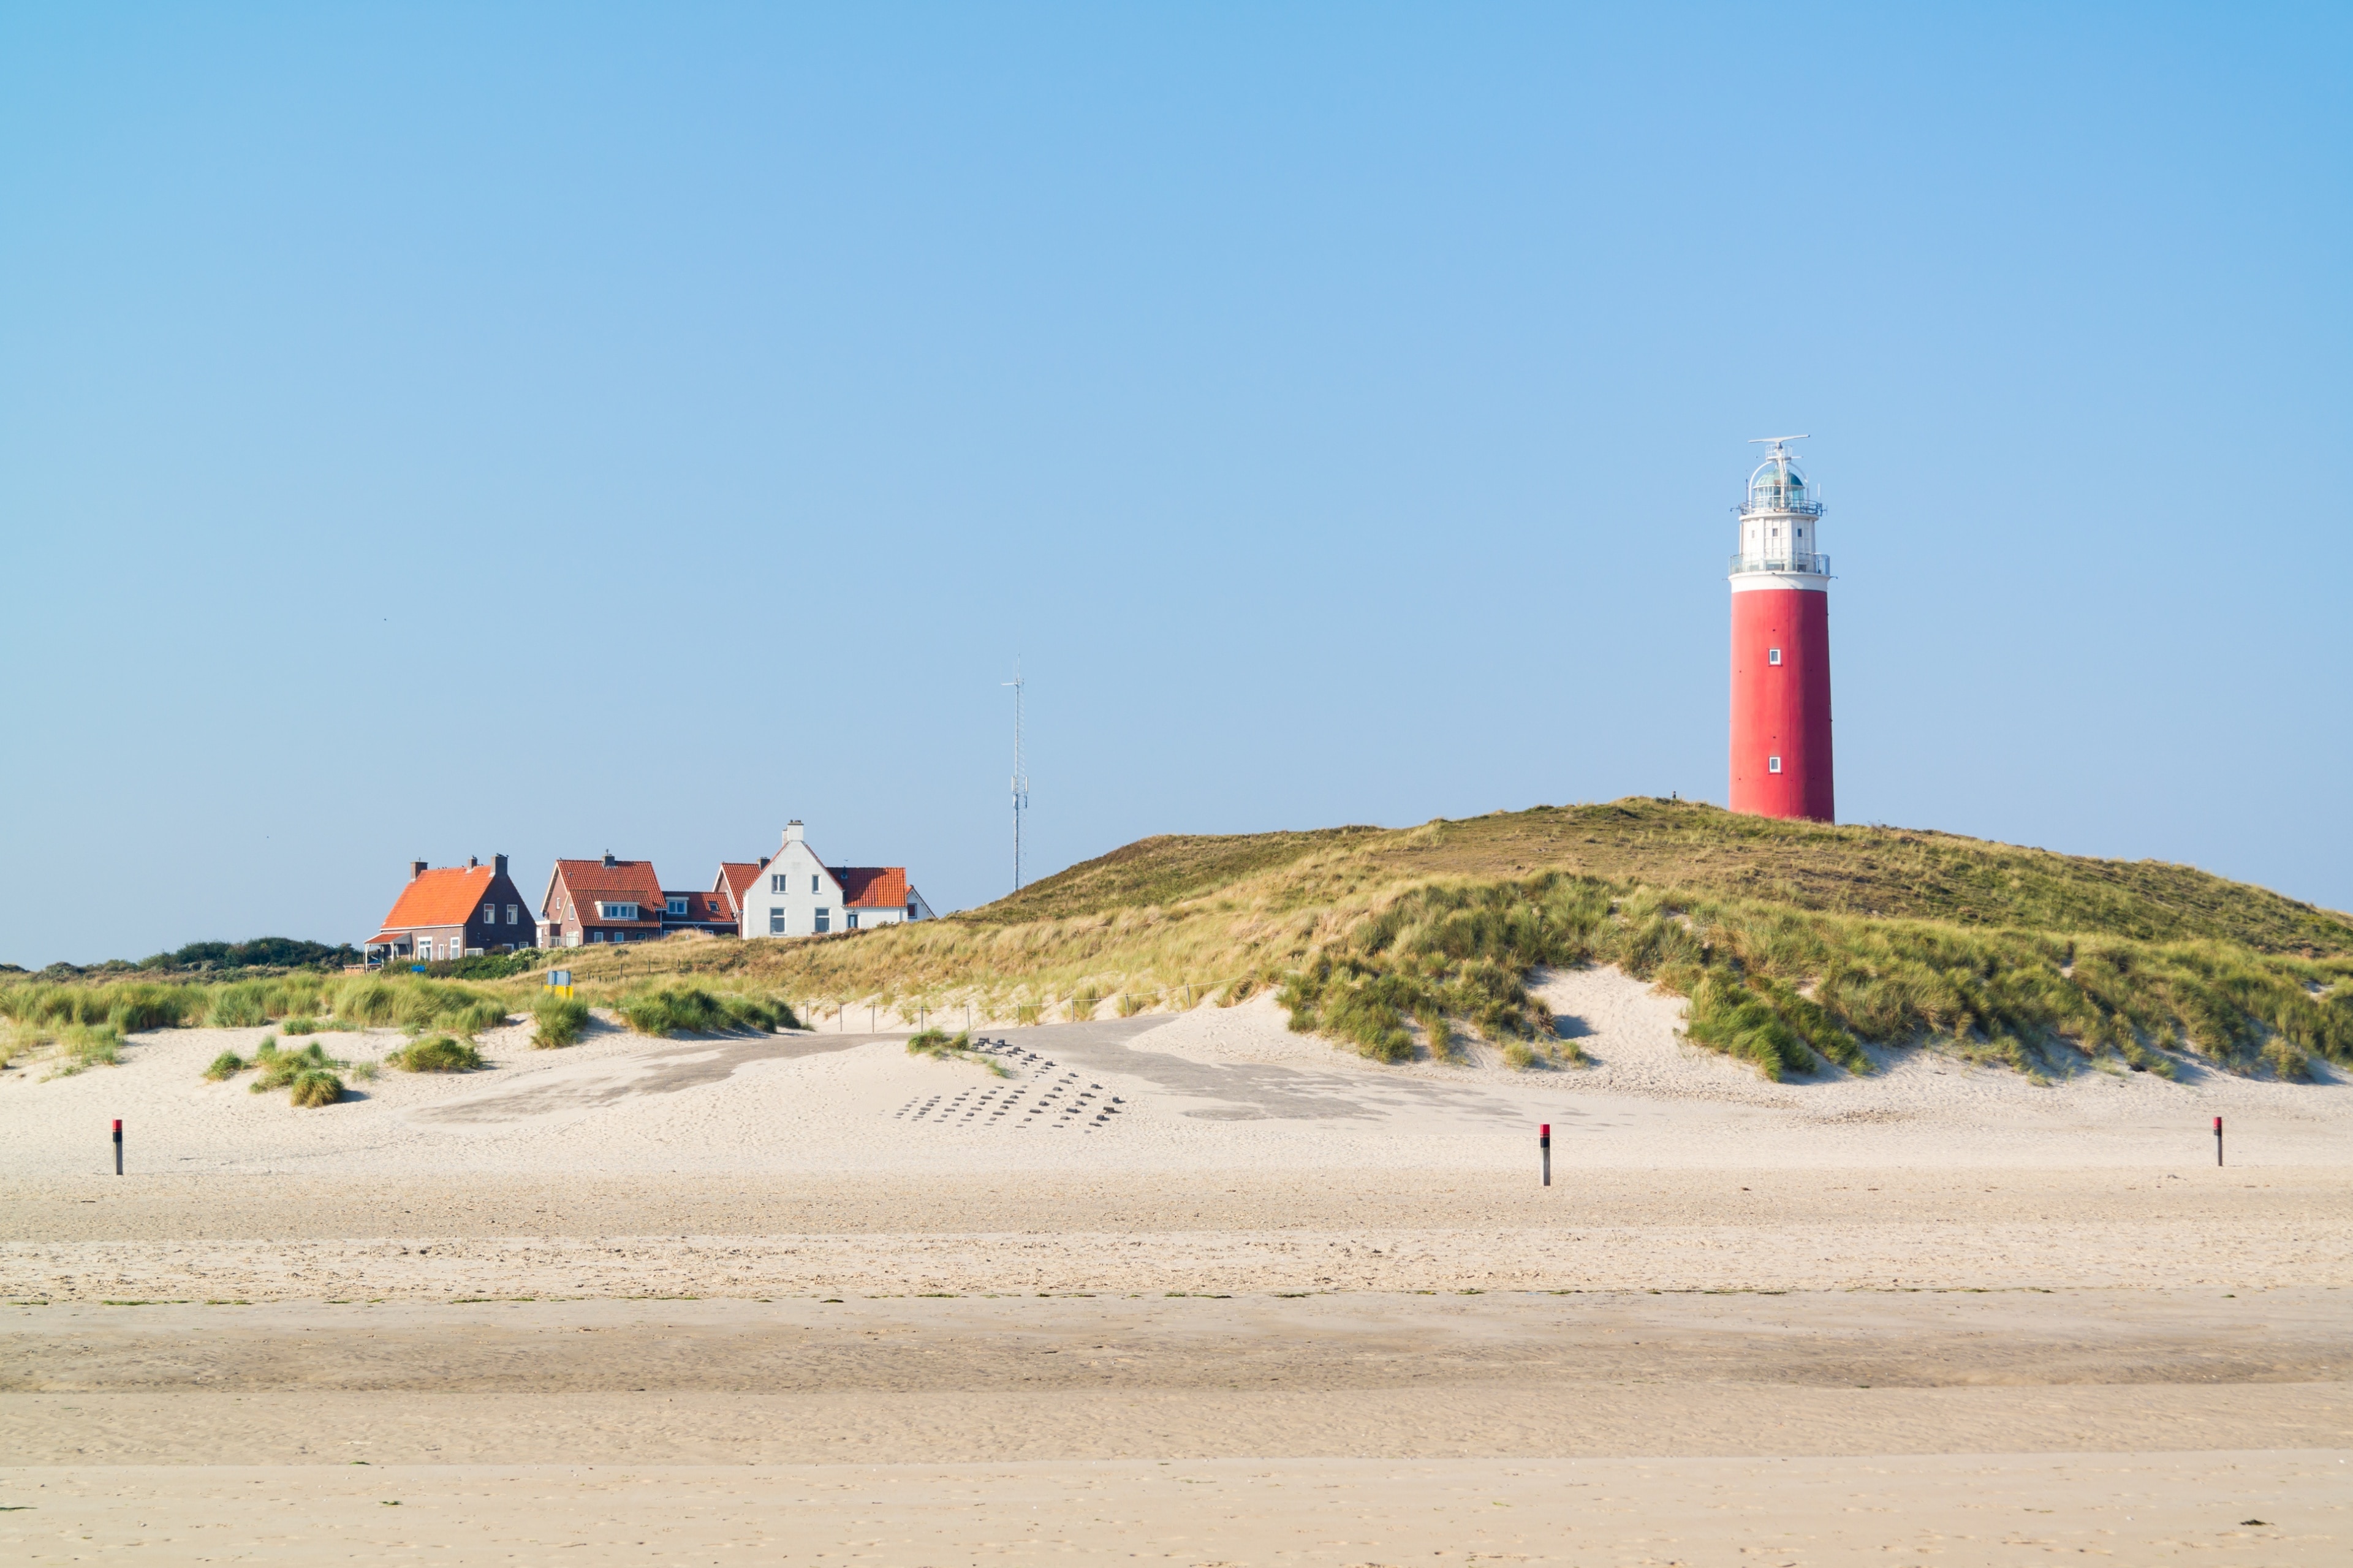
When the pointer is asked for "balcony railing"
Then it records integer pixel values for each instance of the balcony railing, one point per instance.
(1802, 508)
(1813, 566)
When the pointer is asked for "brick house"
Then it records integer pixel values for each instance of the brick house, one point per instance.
(606, 900)
(698, 912)
(453, 912)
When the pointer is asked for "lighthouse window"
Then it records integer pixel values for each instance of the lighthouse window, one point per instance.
(1773, 656)
(1772, 765)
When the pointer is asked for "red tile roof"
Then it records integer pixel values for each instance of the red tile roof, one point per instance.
(448, 897)
(873, 886)
(628, 881)
(735, 880)
(705, 907)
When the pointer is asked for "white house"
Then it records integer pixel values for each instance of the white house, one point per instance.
(794, 893)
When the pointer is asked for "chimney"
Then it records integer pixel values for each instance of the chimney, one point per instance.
(415, 869)
(473, 862)
(499, 864)
(608, 859)
(793, 833)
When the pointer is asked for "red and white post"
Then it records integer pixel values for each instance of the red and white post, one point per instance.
(1781, 649)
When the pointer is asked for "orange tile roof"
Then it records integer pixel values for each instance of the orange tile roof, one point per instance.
(590, 880)
(447, 896)
(871, 886)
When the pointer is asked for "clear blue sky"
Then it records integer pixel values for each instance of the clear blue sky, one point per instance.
(437, 430)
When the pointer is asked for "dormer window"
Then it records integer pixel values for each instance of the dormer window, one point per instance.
(676, 906)
(612, 911)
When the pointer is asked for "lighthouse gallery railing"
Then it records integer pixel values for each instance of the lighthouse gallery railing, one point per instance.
(1815, 565)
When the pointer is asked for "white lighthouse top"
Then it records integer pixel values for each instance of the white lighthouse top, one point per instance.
(1780, 525)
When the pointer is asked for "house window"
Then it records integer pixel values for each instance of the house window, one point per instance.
(514, 915)
(1773, 656)
(849, 921)
(616, 911)
(489, 914)
(775, 919)
(812, 884)
(911, 911)
(776, 884)
(1772, 765)
(596, 936)
(822, 916)
(677, 906)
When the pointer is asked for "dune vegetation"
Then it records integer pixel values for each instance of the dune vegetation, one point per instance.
(308, 1074)
(940, 1045)
(560, 1021)
(437, 1053)
(1801, 946)
(1798, 943)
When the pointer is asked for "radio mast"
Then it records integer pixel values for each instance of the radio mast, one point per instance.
(1021, 779)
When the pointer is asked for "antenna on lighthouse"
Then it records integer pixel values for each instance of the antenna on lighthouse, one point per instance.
(1021, 779)
(1779, 443)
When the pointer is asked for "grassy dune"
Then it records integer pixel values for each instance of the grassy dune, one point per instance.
(1797, 943)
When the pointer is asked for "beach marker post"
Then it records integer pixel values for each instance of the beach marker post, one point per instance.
(1544, 1142)
(2218, 1139)
(117, 1145)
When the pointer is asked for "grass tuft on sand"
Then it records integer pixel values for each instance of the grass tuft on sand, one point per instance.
(561, 1021)
(437, 1053)
(308, 1075)
(938, 1044)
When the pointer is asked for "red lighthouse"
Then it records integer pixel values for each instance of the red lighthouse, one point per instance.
(1781, 648)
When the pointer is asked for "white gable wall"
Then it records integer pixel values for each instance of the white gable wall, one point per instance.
(790, 889)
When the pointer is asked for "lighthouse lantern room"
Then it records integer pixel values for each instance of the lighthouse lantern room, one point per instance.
(1781, 646)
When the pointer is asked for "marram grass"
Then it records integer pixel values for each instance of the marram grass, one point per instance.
(561, 1021)
(1802, 947)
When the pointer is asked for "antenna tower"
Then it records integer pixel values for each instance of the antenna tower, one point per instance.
(1021, 779)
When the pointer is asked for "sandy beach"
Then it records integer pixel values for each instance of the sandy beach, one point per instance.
(1193, 1288)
